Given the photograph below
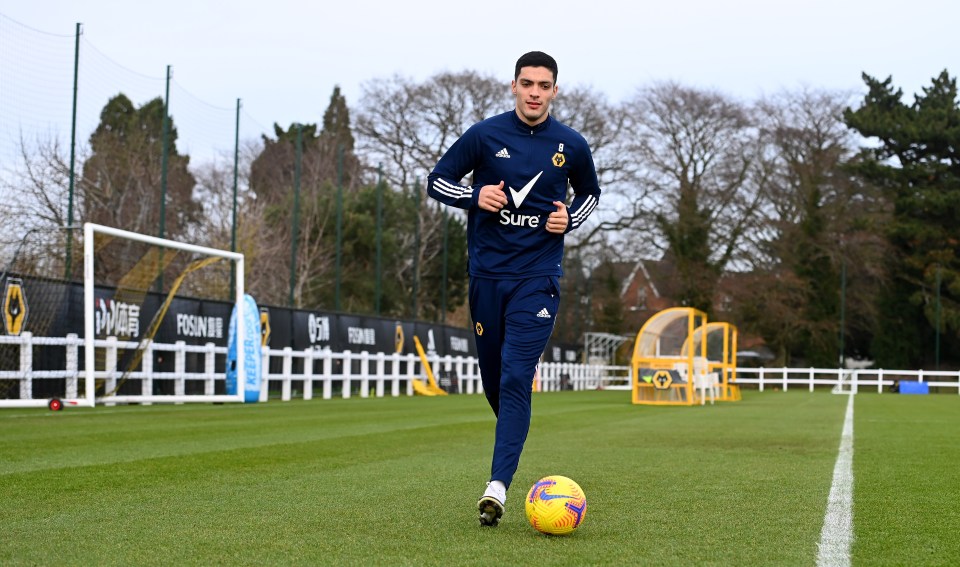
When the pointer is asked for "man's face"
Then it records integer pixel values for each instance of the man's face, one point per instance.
(534, 89)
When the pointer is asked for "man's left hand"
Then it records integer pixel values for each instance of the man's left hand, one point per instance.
(558, 219)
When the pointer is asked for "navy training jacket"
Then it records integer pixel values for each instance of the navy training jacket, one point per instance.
(535, 163)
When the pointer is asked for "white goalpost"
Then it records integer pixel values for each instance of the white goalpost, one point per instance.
(107, 372)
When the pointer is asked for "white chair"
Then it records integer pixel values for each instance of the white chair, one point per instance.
(705, 381)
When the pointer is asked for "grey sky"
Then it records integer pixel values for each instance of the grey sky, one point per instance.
(283, 57)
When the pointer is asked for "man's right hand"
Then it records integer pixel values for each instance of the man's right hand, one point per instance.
(492, 198)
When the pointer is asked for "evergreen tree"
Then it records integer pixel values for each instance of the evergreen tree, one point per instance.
(336, 138)
(359, 276)
(121, 184)
(917, 162)
(336, 122)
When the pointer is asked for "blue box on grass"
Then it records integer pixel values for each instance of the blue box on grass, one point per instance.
(914, 387)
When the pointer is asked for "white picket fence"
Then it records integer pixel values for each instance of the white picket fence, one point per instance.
(343, 374)
(321, 372)
(299, 374)
(850, 380)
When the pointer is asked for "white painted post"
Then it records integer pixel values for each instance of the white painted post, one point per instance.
(73, 365)
(347, 372)
(308, 358)
(460, 370)
(265, 355)
(412, 361)
(364, 374)
(26, 365)
(380, 371)
(180, 368)
(208, 368)
(327, 374)
(286, 374)
(395, 374)
(146, 364)
(110, 368)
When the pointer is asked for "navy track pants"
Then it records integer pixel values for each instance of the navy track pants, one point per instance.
(513, 320)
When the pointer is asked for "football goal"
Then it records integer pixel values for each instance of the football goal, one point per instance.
(131, 285)
(136, 319)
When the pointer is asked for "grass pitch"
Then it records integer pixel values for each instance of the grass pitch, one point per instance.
(394, 481)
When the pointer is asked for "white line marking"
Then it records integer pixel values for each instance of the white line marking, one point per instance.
(837, 533)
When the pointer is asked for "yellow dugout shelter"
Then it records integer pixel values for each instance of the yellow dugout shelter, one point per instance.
(667, 360)
(721, 358)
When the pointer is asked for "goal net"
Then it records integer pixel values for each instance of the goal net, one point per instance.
(150, 318)
(157, 319)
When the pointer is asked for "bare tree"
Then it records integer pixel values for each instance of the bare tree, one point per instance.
(605, 127)
(700, 161)
(273, 179)
(38, 187)
(816, 229)
(34, 215)
(215, 190)
(407, 126)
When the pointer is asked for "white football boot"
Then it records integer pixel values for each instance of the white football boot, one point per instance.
(491, 503)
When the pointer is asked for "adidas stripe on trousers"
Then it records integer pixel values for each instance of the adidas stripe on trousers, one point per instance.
(513, 320)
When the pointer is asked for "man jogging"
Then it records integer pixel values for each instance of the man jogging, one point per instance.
(522, 162)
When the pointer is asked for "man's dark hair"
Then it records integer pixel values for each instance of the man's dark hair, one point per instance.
(536, 59)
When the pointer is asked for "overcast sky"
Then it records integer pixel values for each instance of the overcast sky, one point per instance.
(282, 58)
